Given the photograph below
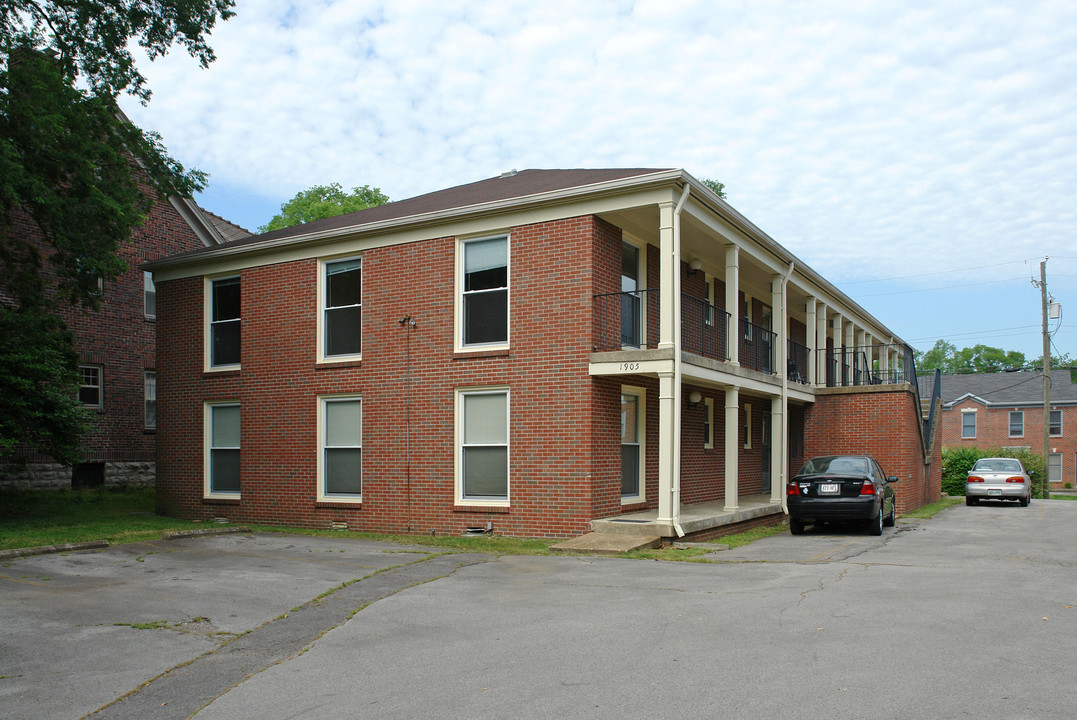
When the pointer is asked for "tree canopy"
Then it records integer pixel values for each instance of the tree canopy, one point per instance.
(717, 187)
(945, 356)
(323, 201)
(71, 167)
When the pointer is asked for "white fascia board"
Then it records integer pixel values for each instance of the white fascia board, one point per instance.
(199, 224)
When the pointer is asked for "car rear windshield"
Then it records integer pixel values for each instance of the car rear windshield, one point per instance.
(997, 465)
(836, 465)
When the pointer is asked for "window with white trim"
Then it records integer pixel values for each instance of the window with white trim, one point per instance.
(1017, 423)
(748, 427)
(222, 449)
(149, 295)
(968, 424)
(633, 407)
(342, 318)
(1055, 428)
(710, 312)
(1054, 467)
(151, 398)
(483, 446)
(484, 296)
(340, 475)
(708, 423)
(224, 322)
(90, 386)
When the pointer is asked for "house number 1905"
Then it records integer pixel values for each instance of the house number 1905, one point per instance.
(629, 367)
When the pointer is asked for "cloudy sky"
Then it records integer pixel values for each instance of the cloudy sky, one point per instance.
(921, 155)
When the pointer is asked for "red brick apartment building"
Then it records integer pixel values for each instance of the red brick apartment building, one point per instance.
(533, 354)
(993, 410)
(117, 355)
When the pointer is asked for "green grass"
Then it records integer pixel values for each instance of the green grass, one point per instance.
(930, 511)
(31, 518)
(693, 554)
(1064, 497)
(494, 544)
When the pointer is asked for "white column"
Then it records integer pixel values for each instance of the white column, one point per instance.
(669, 270)
(666, 446)
(809, 311)
(779, 458)
(732, 446)
(850, 342)
(732, 301)
(780, 320)
(820, 344)
(837, 336)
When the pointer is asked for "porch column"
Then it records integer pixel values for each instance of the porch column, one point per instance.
(850, 342)
(884, 362)
(732, 302)
(820, 344)
(669, 272)
(836, 334)
(779, 457)
(666, 446)
(781, 326)
(809, 310)
(732, 447)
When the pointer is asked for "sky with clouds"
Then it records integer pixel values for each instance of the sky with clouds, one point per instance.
(920, 155)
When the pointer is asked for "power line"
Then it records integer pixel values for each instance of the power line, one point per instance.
(963, 285)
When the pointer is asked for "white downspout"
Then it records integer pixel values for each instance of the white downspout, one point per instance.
(676, 290)
(785, 388)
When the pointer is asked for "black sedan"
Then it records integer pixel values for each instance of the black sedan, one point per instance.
(841, 487)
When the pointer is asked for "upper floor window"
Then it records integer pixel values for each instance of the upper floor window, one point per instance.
(224, 323)
(485, 291)
(149, 295)
(968, 424)
(90, 393)
(1017, 423)
(1055, 428)
(343, 311)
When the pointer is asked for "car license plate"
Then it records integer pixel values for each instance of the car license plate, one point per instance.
(828, 488)
(994, 492)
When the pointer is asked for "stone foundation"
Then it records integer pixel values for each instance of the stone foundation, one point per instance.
(54, 476)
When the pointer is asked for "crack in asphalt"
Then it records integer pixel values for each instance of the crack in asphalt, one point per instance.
(181, 691)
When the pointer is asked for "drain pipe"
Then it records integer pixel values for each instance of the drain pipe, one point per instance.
(676, 289)
(785, 388)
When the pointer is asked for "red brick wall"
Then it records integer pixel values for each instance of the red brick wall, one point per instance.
(993, 431)
(884, 425)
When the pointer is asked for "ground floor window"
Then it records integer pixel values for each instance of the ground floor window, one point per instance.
(1054, 467)
(90, 384)
(968, 424)
(483, 445)
(632, 445)
(341, 440)
(222, 449)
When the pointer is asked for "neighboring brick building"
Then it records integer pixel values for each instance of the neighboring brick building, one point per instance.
(117, 354)
(528, 354)
(1005, 410)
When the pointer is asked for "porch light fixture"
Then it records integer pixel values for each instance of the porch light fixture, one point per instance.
(694, 398)
(694, 266)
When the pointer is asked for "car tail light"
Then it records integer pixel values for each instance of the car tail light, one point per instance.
(793, 489)
(973, 478)
(1015, 479)
(868, 488)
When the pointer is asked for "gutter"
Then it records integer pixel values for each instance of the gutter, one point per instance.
(677, 394)
(785, 386)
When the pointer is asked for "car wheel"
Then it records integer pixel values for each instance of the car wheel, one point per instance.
(796, 526)
(875, 527)
(888, 521)
(970, 500)
(1025, 500)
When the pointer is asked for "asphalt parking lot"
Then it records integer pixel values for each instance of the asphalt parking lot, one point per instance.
(970, 614)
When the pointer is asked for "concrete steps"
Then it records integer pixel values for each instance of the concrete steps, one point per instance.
(606, 543)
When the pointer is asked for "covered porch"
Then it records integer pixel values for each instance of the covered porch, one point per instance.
(694, 519)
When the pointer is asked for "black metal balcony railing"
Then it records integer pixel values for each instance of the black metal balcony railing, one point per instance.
(797, 361)
(626, 320)
(861, 366)
(704, 328)
(756, 347)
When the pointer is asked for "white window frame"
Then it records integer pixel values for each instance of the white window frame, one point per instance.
(323, 284)
(149, 289)
(100, 385)
(458, 295)
(641, 274)
(640, 394)
(150, 395)
(323, 402)
(1049, 423)
(1021, 413)
(708, 423)
(458, 445)
(748, 426)
(964, 414)
(1051, 457)
(207, 306)
(207, 430)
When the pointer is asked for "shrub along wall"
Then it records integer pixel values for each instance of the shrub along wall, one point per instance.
(957, 461)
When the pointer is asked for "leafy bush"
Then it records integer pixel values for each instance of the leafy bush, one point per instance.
(956, 463)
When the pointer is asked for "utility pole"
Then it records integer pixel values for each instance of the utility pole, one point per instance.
(1045, 482)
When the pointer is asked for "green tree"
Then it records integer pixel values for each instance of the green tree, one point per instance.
(323, 201)
(977, 359)
(717, 187)
(71, 167)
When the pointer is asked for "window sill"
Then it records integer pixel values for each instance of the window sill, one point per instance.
(339, 504)
(481, 508)
(220, 501)
(232, 371)
(468, 354)
(633, 505)
(338, 364)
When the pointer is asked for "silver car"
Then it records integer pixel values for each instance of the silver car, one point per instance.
(998, 479)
